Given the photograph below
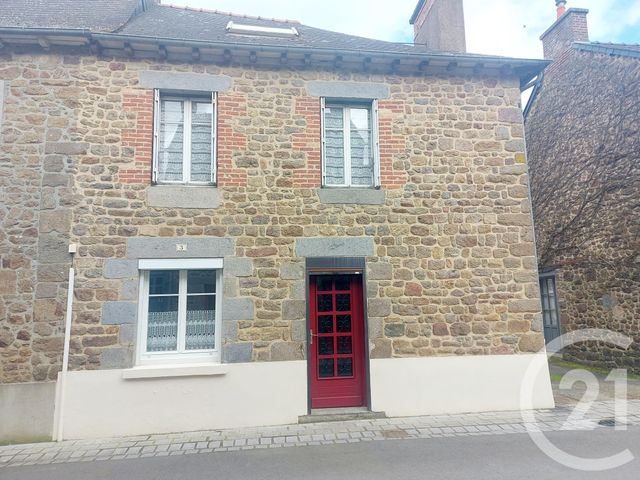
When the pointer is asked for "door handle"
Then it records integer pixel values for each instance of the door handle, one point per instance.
(311, 335)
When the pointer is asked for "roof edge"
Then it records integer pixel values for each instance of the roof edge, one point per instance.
(561, 19)
(449, 55)
(47, 31)
(532, 66)
(416, 12)
(608, 50)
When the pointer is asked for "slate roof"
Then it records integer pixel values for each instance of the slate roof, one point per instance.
(137, 24)
(93, 15)
(180, 23)
(616, 49)
(203, 25)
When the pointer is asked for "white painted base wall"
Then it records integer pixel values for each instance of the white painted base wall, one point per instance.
(447, 385)
(101, 403)
(26, 411)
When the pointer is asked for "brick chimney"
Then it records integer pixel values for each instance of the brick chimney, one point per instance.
(571, 26)
(439, 24)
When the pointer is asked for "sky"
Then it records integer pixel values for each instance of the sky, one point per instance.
(494, 27)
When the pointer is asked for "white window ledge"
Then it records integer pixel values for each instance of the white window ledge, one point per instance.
(169, 371)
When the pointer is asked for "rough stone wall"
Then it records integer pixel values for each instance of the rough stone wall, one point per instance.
(39, 148)
(602, 298)
(583, 141)
(452, 269)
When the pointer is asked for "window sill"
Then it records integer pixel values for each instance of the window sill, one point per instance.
(351, 196)
(183, 196)
(172, 371)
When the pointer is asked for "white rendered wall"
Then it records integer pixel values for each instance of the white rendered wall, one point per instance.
(448, 385)
(101, 403)
(26, 411)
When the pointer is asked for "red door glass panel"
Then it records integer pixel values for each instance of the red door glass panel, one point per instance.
(337, 341)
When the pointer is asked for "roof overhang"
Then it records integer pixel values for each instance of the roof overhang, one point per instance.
(609, 49)
(171, 49)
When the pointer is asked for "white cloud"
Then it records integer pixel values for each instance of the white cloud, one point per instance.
(495, 27)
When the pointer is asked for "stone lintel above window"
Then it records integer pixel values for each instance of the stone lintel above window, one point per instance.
(348, 90)
(165, 247)
(184, 82)
(335, 247)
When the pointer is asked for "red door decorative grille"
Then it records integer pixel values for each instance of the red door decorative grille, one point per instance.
(337, 341)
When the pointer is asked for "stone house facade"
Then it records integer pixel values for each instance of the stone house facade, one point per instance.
(583, 142)
(213, 175)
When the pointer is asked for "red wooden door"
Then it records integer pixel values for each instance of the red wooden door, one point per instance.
(337, 341)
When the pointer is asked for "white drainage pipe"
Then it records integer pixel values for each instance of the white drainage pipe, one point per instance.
(62, 378)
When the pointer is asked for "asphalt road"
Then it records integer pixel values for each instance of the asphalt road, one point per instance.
(492, 457)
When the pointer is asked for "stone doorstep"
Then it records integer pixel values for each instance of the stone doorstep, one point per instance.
(320, 415)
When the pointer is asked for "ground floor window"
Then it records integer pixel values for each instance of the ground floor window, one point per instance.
(550, 310)
(179, 310)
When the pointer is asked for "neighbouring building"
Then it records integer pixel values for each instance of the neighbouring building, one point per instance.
(583, 142)
(268, 219)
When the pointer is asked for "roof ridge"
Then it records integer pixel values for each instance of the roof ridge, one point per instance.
(229, 14)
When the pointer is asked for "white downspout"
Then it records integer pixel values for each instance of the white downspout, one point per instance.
(65, 356)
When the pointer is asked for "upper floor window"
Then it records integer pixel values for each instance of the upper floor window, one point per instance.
(350, 144)
(179, 317)
(184, 139)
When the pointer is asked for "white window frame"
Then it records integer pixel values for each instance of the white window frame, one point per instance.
(159, 95)
(233, 27)
(346, 130)
(182, 355)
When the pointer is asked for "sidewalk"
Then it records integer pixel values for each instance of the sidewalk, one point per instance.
(492, 423)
